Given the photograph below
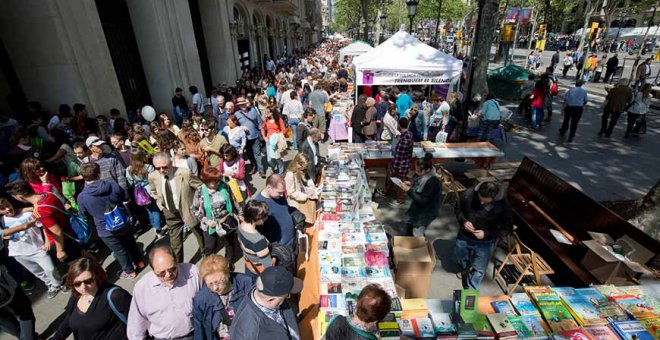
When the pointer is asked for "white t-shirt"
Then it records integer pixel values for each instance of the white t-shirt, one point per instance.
(25, 243)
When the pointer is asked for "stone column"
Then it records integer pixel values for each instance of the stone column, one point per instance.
(220, 45)
(60, 54)
(166, 40)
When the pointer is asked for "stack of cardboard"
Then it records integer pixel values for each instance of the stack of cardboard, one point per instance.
(414, 260)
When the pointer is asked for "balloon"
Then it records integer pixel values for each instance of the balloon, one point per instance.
(148, 113)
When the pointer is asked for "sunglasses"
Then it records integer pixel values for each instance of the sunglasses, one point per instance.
(87, 282)
(170, 271)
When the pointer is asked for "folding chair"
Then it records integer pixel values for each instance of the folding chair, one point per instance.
(526, 262)
(449, 185)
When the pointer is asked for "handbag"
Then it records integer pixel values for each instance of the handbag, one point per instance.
(327, 107)
(77, 223)
(115, 218)
(141, 195)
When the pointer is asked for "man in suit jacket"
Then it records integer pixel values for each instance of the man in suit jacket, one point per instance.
(173, 189)
(310, 148)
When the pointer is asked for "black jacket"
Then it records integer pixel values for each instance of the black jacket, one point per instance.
(340, 329)
(357, 117)
(495, 218)
(612, 63)
(426, 204)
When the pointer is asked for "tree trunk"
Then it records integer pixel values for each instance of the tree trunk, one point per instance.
(633, 73)
(487, 25)
(365, 17)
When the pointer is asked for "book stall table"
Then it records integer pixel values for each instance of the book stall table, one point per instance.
(379, 154)
(348, 247)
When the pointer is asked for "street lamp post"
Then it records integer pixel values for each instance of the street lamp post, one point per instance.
(383, 23)
(412, 11)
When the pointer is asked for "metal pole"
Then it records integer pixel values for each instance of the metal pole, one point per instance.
(515, 37)
(410, 26)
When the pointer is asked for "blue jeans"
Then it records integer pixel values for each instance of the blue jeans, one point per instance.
(154, 215)
(253, 153)
(474, 257)
(537, 117)
(179, 115)
(293, 123)
(124, 248)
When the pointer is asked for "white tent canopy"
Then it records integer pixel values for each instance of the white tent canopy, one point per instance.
(404, 60)
(355, 48)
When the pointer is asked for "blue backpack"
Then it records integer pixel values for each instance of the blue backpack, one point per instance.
(78, 224)
(115, 218)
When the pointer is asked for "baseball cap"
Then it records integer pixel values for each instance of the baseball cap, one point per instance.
(277, 281)
(93, 140)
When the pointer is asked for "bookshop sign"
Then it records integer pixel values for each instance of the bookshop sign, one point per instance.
(384, 77)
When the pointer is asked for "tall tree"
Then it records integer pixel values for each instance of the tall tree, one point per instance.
(483, 40)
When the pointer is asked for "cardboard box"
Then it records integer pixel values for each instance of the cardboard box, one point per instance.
(611, 268)
(414, 261)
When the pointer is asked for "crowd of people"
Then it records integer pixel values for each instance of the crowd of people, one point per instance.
(72, 186)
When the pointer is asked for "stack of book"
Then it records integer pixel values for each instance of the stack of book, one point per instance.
(584, 312)
(553, 310)
(352, 253)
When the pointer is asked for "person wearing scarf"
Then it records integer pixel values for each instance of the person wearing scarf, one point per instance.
(426, 193)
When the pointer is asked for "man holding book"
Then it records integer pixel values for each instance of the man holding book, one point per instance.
(483, 215)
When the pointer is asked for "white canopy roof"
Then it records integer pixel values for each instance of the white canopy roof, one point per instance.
(355, 48)
(405, 58)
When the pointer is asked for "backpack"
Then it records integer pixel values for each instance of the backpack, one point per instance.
(78, 224)
(141, 195)
(7, 287)
(115, 218)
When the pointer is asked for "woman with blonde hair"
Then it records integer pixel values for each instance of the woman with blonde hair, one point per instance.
(216, 303)
(301, 191)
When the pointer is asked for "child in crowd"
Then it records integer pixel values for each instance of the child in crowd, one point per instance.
(26, 244)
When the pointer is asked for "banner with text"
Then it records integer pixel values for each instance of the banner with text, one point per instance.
(403, 77)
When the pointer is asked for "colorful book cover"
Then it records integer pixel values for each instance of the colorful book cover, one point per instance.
(523, 304)
(331, 244)
(630, 330)
(388, 323)
(423, 328)
(468, 307)
(330, 273)
(519, 326)
(545, 297)
(608, 290)
(353, 285)
(557, 316)
(356, 249)
(373, 228)
(504, 306)
(406, 327)
(376, 258)
(351, 273)
(483, 327)
(353, 238)
(329, 258)
(641, 293)
(381, 247)
(573, 334)
(442, 323)
(535, 324)
(377, 272)
(353, 260)
(601, 332)
(580, 307)
(376, 237)
(335, 301)
(501, 325)
(331, 288)
(325, 316)
(652, 326)
(635, 306)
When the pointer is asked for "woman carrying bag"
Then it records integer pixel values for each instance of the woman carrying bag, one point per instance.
(213, 207)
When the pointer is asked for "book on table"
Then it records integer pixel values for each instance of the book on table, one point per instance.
(652, 326)
(601, 332)
(631, 329)
(580, 307)
(501, 325)
(573, 334)
(523, 304)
